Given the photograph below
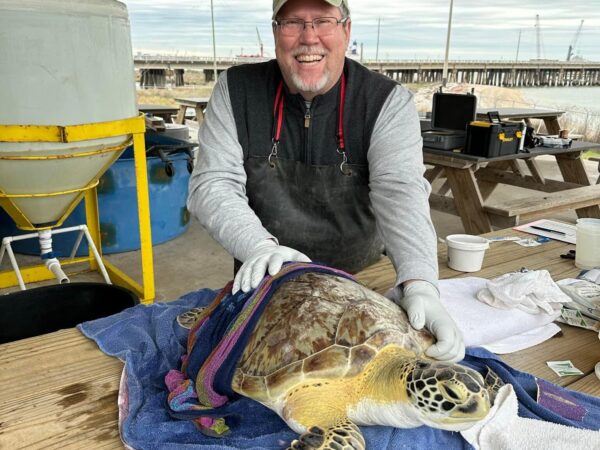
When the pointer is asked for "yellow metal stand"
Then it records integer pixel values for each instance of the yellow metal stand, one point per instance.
(76, 133)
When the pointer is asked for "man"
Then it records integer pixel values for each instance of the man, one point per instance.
(313, 156)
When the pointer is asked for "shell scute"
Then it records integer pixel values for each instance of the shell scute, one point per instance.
(360, 356)
(248, 385)
(331, 362)
(281, 380)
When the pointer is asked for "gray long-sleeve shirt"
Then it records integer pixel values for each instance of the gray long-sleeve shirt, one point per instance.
(398, 192)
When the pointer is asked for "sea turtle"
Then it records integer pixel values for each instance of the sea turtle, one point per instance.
(329, 354)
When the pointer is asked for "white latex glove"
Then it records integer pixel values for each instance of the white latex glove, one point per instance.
(421, 301)
(266, 256)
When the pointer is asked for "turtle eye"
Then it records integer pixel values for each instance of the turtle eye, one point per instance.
(451, 393)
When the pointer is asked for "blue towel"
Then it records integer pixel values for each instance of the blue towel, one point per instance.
(151, 343)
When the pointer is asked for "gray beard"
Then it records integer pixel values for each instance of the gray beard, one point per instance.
(316, 86)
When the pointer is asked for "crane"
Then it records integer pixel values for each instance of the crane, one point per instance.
(260, 43)
(574, 42)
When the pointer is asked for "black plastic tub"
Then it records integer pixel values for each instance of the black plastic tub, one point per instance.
(50, 308)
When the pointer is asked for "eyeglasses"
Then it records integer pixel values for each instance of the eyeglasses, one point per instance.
(323, 26)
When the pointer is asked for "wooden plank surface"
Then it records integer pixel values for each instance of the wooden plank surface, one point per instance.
(193, 102)
(527, 181)
(589, 384)
(58, 392)
(580, 346)
(520, 113)
(576, 198)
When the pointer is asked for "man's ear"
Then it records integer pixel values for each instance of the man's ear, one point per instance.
(348, 27)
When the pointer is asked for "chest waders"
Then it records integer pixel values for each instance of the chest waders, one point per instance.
(320, 208)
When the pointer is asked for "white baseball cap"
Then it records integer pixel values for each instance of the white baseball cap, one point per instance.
(277, 4)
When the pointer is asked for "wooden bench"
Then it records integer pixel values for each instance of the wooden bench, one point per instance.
(509, 213)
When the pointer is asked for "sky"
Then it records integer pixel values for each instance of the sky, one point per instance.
(481, 30)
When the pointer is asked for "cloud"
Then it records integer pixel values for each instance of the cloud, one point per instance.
(480, 30)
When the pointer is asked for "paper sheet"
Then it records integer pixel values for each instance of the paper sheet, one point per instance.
(567, 229)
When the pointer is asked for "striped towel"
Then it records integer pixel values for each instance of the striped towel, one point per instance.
(201, 389)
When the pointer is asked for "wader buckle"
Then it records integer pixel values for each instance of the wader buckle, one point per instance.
(273, 153)
(344, 171)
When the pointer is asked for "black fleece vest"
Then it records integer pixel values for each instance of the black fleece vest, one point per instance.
(305, 200)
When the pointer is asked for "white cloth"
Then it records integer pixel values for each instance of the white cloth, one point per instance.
(482, 324)
(503, 429)
(533, 292)
(524, 340)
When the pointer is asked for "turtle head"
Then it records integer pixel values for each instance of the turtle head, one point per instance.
(447, 396)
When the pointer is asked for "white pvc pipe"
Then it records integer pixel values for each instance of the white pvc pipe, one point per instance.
(13, 261)
(76, 245)
(52, 264)
(92, 247)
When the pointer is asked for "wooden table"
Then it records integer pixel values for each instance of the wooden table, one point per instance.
(549, 116)
(198, 103)
(60, 392)
(471, 179)
(162, 111)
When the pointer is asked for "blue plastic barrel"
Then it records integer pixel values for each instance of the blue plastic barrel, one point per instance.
(117, 202)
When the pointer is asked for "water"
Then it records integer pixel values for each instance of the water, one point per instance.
(580, 104)
(585, 98)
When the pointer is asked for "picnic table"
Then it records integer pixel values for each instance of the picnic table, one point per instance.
(197, 103)
(471, 179)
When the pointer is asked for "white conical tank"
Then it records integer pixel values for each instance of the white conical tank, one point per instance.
(62, 62)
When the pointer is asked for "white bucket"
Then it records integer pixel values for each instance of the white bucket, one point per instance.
(587, 253)
(465, 252)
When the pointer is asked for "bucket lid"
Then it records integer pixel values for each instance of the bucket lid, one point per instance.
(467, 242)
(589, 223)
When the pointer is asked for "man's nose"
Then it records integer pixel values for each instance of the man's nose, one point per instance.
(309, 33)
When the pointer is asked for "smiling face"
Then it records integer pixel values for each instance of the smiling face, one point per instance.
(311, 64)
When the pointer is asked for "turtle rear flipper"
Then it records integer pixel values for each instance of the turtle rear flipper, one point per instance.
(189, 318)
(344, 435)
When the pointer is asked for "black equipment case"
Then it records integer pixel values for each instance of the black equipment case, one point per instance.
(450, 115)
(493, 138)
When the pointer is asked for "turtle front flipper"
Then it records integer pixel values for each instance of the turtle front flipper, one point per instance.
(493, 383)
(344, 435)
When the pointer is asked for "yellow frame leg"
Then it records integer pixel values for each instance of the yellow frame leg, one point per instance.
(92, 219)
(141, 176)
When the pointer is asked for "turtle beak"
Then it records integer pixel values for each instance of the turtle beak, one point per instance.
(476, 408)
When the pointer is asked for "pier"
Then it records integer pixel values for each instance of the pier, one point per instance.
(154, 70)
